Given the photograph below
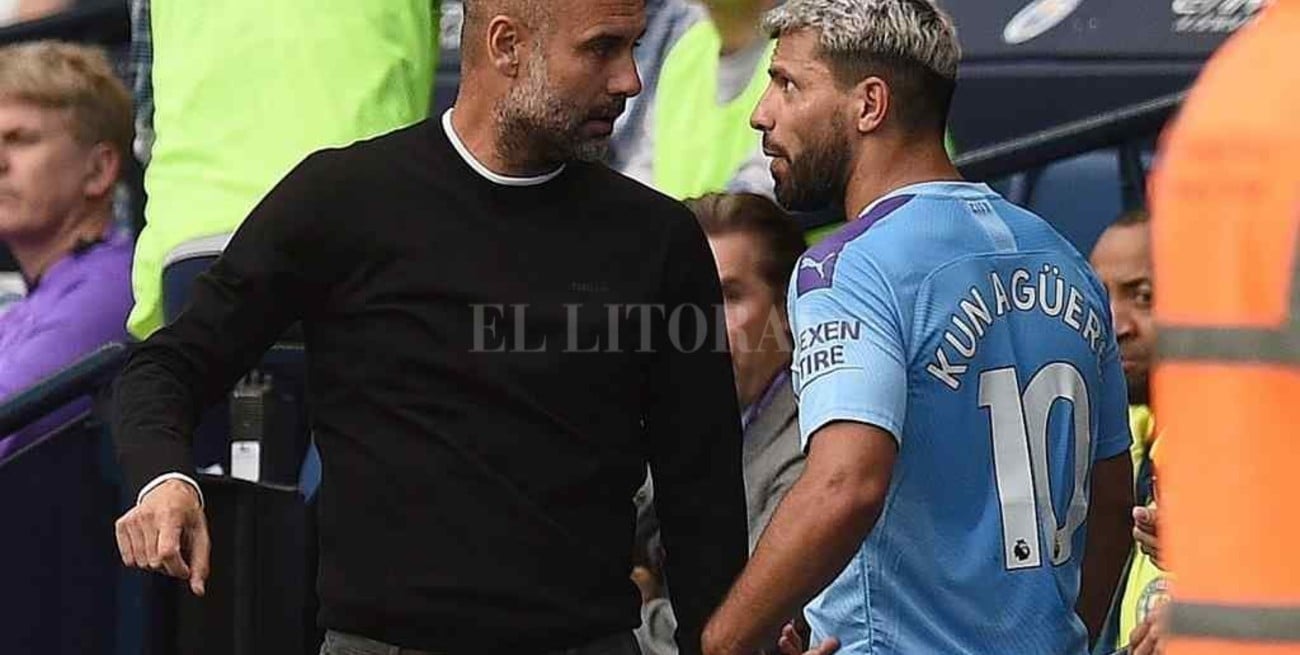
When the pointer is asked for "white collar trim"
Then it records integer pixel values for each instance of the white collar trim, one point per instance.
(484, 171)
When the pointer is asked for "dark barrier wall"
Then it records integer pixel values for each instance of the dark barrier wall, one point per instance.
(59, 572)
(1080, 57)
(1096, 29)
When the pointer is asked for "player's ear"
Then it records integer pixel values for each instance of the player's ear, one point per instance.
(870, 104)
(505, 40)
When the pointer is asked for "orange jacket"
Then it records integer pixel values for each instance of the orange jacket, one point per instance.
(1226, 207)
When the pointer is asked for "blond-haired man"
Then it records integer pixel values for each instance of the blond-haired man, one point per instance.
(65, 131)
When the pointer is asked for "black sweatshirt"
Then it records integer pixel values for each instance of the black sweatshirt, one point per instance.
(479, 462)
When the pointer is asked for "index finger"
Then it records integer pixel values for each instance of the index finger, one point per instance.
(169, 550)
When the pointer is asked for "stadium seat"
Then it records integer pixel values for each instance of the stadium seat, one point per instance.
(1080, 196)
(184, 263)
(1015, 188)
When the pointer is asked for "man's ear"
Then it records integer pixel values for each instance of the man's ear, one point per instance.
(104, 168)
(871, 100)
(505, 39)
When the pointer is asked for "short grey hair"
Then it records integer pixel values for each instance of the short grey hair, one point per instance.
(914, 30)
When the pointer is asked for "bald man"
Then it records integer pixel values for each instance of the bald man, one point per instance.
(502, 333)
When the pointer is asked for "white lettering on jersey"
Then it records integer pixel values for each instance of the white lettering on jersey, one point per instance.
(1047, 293)
(821, 350)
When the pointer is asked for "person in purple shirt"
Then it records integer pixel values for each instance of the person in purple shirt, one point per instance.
(65, 133)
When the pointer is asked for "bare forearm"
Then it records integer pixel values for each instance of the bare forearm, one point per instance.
(1102, 572)
(815, 531)
(1109, 543)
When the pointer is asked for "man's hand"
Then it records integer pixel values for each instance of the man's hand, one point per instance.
(1145, 532)
(1146, 638)
(168, 533)
(791, 643)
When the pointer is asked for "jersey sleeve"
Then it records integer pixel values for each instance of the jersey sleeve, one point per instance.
(1113, 436)
(849, 361)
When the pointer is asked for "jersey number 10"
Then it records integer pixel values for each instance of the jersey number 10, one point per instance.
(1020, 452)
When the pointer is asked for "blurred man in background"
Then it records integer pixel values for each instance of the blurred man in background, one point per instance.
(1122, 259)
(696, 139)
(65, 132)
(935, 336)
(666, 21)
(756, 245)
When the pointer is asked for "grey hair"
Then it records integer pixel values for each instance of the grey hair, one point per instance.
(914, 30)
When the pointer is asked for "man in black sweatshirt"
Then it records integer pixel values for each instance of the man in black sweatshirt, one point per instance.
(501, 334)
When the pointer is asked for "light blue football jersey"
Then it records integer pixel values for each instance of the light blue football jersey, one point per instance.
(980, 339)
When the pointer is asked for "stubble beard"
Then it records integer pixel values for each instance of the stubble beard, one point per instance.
(538, 125)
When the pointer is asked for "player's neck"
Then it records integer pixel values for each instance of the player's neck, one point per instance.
(882, 170)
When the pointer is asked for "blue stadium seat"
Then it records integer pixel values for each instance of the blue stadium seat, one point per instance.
(1080, 196)
(184, 263)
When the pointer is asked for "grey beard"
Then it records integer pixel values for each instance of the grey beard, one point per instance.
(535, 125)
